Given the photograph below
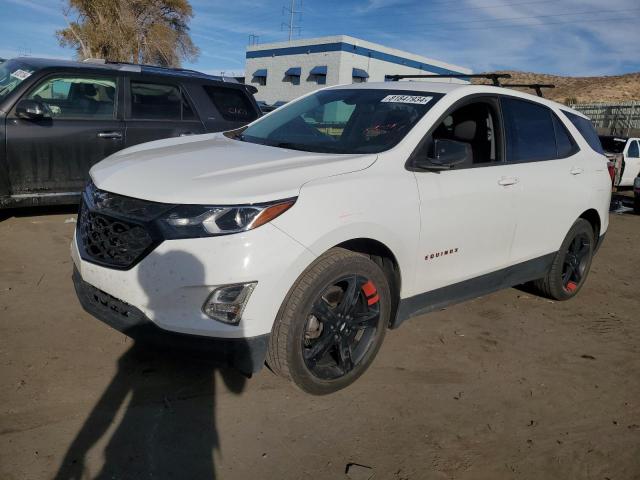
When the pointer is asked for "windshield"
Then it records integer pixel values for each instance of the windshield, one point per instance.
(343, 121)
(613, 144)
(12, 73)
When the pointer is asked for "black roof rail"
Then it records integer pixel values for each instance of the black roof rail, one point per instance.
(494, 77)
(534, 86)
(158, 67)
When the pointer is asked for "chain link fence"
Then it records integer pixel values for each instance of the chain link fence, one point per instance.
(613, 118)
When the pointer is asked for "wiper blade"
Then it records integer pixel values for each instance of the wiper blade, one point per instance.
(290, 146)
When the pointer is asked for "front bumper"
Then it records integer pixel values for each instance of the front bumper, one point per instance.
(171, 283)
(245, 354)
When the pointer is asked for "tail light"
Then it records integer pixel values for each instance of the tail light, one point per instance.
(612, 171)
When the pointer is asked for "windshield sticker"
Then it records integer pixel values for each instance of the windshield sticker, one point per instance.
(21, 74)
(417, 100)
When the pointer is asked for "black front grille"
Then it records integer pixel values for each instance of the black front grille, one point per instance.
(116, 231)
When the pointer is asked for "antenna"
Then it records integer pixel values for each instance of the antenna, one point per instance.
(254, 39)
(291, 26)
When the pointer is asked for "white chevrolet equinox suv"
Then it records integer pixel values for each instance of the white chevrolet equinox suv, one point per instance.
(301, 238)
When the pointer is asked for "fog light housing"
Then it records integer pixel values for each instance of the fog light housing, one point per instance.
(226, 304)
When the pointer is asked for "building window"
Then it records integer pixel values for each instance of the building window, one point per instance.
(293, 75)
(318, 74)
(260, 77)
(359, 75)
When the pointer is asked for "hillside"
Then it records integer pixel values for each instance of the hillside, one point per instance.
(621, 88)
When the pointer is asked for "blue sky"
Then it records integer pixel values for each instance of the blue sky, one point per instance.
(569, 37)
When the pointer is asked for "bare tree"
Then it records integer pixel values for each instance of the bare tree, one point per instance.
(140, 31)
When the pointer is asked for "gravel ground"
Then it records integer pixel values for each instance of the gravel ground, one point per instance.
(505, 386)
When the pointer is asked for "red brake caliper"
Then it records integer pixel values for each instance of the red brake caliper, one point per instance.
(571, 286)
(370, 292)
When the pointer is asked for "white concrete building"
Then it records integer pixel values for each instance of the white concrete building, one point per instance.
(285, 70)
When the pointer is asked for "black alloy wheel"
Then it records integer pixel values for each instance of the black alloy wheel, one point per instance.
(341, 326)
(332, 323)
(571, 263)
(576, 261)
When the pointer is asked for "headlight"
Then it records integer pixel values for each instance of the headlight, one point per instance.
(189, 221)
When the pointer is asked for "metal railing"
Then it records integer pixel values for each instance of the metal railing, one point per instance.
(612, 118)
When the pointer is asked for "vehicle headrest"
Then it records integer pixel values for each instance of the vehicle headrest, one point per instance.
(465, 131)
(89, 90)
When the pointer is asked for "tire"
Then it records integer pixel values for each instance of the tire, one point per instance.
(636, 204)
(570, 265)
(319, 341)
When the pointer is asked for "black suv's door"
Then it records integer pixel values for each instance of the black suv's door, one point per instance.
(158, 108)
(53, 155)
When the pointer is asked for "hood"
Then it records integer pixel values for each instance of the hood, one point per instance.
(213, 169)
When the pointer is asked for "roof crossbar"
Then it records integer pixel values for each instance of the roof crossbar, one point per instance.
(494, 77)
(534, 86)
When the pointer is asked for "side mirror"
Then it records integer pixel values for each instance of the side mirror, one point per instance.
(32, 109)
(448, 153)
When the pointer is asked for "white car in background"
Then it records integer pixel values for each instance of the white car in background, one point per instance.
(303, 237)
(624, 152)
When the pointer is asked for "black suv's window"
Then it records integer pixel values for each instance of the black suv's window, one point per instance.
(12, 74)
(232, 103)
(586, 129)
(529, 131)
(77, 97)
(159, 102)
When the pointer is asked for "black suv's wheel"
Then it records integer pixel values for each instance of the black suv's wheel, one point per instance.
(571, 264)
(332, 323)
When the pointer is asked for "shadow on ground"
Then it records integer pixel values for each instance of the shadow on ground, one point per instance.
(156, 418)
(162, 405)
(37, 211)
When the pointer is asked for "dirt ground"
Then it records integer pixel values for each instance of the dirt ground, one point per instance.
(506, 386)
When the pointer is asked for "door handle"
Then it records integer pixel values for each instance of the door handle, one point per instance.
(576, 171)
(506, 181)
(186, 134)
(113, 135)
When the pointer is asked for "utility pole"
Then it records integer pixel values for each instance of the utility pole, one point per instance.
(291, 10)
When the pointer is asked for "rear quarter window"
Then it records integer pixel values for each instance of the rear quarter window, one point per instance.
(564, 141)
(232, 103)
(586, 129)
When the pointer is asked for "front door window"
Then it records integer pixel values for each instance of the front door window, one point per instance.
(77, 97)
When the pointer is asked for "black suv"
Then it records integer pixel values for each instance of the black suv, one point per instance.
(58, 118)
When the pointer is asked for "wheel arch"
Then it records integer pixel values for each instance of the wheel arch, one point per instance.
(384, 257)
(593, 217)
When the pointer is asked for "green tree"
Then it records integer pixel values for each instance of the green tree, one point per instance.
(139, 31)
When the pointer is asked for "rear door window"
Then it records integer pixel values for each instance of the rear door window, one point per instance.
(529, 131)
(634, 151)
(586, 129)
(157, 101)
(77, 97)
(232, 103)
